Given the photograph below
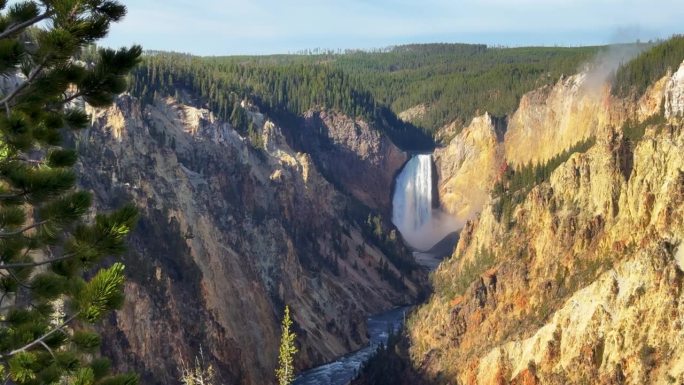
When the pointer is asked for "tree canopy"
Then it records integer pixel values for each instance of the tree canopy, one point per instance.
(47, 244)
(453, 81)
(634, 77)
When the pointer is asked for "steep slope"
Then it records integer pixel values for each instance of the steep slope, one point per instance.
(230, 234)
(584, 284)
(353, 155)
(553, 118)
(468, 166)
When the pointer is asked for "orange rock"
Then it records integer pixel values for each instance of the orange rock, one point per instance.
(526, 377)
(457, 301)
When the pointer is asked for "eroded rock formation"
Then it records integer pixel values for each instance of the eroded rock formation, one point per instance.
(583, 285)
(230, 233)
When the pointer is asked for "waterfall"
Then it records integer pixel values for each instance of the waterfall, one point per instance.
(412, 202)
(420, 225)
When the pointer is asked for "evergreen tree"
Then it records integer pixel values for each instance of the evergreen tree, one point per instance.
(46, 244)
(238, 118)
(285, 371)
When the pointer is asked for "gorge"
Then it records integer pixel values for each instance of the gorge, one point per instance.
(198, 280)
(422, 225)
(422, 214)
(311, 194)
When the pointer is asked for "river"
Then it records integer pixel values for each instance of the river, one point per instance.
(345, 369)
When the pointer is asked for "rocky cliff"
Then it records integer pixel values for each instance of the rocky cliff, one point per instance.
(468, 166)
(584, 283)
(349, 152)
(232, 230)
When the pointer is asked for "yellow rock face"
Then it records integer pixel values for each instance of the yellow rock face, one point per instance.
(552, 119)
(467, 168)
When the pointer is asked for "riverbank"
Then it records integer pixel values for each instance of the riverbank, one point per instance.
(344, 370)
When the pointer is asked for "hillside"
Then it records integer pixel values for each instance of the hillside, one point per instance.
(447, 82)
(571, 273)
(285, 91)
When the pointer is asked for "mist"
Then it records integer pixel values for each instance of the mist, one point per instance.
(421, 225)
(625, 46)
(432, 232)
(602, 68)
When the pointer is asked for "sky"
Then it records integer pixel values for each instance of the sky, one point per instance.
(232, 27)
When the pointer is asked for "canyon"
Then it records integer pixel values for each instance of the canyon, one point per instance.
(582, 284)
(230, 233)
(576, 279)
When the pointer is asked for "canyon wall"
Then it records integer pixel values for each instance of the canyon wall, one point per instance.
(468, 166)
(584, 283)
(231, 231)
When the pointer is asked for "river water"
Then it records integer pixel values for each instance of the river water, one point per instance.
(345, 369)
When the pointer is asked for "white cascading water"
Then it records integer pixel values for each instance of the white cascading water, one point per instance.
(412, 202)
(420, 225)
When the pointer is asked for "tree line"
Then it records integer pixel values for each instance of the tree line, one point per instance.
(281, 90)
(634, 77)
(454, 81)
(514, 184)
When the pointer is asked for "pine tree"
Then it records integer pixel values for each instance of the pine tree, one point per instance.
(47, 246)
(285, 371)
(201, 374)
(238, 118)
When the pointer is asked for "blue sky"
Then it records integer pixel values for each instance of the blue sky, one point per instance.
(228, 27)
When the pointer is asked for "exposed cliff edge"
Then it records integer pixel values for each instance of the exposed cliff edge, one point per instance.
(547, 122)
(351, 154)
(468, 165)
(230, 233)
(584, 283)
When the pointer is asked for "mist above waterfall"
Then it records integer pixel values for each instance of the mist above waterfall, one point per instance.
(421, 225)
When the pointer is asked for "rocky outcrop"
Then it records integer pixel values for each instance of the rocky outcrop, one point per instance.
(355, 156)
(414, 113)
(230, 233)
(553, 118)
(548, 121)
(583, 285)
(468, 166)
(674, 94)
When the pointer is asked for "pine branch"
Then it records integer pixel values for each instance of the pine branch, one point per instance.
(27, 160)
(32, 76)
(35, 264)
(17, 232)
(18, 27)
(48, 349)
(40, 339)
(13, 196)
(46, 262)
(16, 279)
(72, 97)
